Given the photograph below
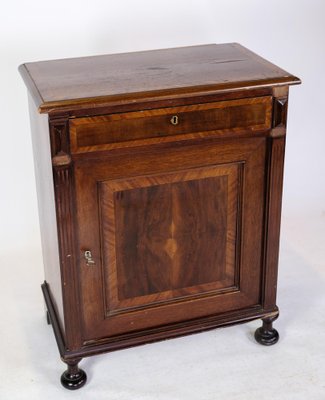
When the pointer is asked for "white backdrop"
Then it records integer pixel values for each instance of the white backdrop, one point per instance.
(289, 33)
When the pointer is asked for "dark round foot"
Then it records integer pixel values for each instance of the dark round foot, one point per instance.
(73, 381)
(266, 337)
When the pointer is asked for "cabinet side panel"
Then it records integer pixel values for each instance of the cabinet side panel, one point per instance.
(46, 206)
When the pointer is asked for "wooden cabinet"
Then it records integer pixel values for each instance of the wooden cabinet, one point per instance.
(159, 179)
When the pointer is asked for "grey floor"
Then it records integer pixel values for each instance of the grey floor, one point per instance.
(219, 364)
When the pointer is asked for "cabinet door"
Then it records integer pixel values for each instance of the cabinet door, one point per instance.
(175, 234)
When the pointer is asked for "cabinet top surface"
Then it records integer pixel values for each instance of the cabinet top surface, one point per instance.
(68, 84)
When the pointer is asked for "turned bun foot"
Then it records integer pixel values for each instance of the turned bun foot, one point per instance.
(267, 338)
(73, 378)
(266, 334)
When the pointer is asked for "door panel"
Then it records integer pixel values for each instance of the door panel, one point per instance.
(158, 231)
(175, 234)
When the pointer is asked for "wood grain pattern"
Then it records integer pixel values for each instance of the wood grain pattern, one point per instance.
(164, 101)
(120, 168)
(182, 221)
(63, 85)
(145, 127)
(169, 236)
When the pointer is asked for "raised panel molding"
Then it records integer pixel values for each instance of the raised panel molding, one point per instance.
(244, 159)
(132, 282)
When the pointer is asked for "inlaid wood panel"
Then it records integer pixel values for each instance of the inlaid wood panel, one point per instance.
(169, 236)
(170, 124)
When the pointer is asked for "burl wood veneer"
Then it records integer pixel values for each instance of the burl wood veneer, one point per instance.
(159, 178)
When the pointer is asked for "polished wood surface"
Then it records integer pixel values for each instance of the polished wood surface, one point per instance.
(97, 180)
(176, 215)
(155, 334)
(223, 118)
(76, 83)
(63, 183)
(160, 182)
(156, 261)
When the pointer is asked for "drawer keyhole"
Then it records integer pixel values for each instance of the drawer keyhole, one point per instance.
(174, 120)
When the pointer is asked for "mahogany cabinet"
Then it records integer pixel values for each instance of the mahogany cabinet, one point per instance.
(159, 178)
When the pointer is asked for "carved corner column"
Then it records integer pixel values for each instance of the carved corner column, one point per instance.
(65, 213)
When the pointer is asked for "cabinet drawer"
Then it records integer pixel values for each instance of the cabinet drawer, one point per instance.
(169, 124)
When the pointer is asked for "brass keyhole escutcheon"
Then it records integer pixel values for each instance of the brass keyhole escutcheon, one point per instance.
(174, 120)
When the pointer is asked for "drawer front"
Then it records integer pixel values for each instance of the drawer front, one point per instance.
(170, 124)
